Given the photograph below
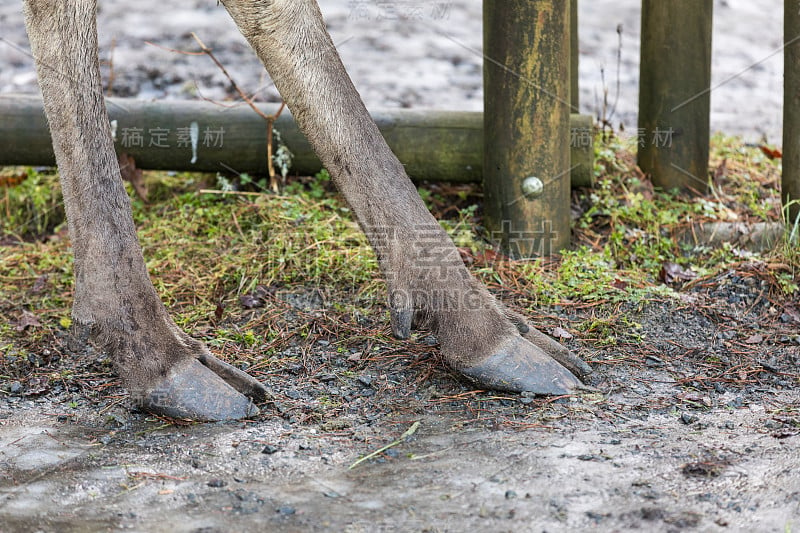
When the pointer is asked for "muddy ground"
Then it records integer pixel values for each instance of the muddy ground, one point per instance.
(695, 426)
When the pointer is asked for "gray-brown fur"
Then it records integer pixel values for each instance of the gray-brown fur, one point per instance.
(113, 293)
(427, 281)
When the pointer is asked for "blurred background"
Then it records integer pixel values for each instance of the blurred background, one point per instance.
(420, 54)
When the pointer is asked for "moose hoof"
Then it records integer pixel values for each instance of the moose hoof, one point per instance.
(195, 392)
(519, 366)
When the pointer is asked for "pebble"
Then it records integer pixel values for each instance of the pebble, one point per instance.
(687, 418)
(269, 449)
(293, 394)
(216, 483)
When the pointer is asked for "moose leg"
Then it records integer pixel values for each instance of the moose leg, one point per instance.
(115, 304)
(427, 280)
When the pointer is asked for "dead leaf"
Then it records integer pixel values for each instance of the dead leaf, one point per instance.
(27, 320)
(12, 179)
(673, 272)
(721, 171)
(692, 397)
(772, 153)
(491, 257)
(129, 173)
(466, 255)
(40, 284)
(619, 284)
(754, 339)
(561, 333)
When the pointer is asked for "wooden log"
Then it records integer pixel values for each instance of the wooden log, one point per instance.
(755, 237)
(675, 92)
(574, 61)
(526, 124)
(790, 180)
(433, 145)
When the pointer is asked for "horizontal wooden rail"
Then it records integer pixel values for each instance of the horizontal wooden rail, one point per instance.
(433, 145)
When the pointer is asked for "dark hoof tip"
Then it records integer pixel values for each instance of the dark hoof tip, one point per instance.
(519, 366)
(194, 392)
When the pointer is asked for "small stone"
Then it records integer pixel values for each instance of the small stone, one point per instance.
(286, 510)
(510, 495)
(269, 449)
(292, 394)
(216, 483)
(687, 418)
(15, 387)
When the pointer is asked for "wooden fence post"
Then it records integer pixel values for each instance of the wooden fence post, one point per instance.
(574, 87)
(675, 92)
(790, 181)
(526, 124)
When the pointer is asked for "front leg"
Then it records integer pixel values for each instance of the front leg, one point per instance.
(427, 280)
(115, 304)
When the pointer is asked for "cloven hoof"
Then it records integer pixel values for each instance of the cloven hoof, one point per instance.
(519, 366)
(195, 392)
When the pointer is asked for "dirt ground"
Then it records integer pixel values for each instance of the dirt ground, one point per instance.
(695, 425)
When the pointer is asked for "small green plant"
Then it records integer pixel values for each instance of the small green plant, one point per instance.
(33, 208)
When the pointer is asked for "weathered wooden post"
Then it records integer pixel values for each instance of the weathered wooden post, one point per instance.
(790, 182)
(526, 124)
(574, 88)
(675, 92)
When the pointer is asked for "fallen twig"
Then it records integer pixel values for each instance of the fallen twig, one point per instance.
(270, 119)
